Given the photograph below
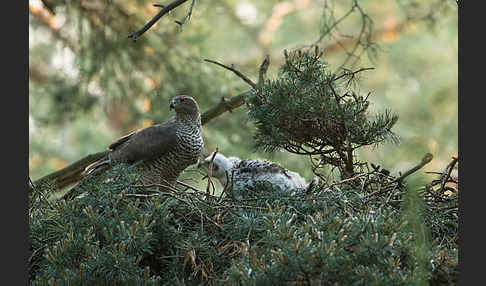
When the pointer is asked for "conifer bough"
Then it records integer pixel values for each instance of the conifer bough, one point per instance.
(308, 110)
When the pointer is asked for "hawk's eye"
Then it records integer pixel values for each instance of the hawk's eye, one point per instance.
(183, 100)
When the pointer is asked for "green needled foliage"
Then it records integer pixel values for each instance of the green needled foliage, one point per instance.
(309, 110)
(119, 233)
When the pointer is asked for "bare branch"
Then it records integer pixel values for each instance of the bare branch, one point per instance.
(210, 174)
(425, 160)
(263, 71)
(188, 186)
(446, 174)
(224, 106)
(238, 73)
(188, 16)
(334, 25)
(166, 9)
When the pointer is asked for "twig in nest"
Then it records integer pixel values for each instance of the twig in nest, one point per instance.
(224, 188)
(425, 160)
(34, 253)
(210, 173)
(447, 173)
(172, 192)
(346, 180)
(167, 186)
(165, 9)
(142, 195)
(188, 16)
(188, 186)
(238, 73)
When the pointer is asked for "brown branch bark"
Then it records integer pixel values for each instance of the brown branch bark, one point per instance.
(224, 106)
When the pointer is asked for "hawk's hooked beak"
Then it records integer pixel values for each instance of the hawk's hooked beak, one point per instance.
(172, 106)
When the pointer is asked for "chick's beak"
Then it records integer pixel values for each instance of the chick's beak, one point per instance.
(172, 105)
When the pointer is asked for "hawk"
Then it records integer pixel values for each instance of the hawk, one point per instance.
(162, 151)
(244, 175)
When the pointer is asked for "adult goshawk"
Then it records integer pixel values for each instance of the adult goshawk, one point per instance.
(163, 150)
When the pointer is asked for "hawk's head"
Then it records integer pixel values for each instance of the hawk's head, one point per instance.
(183, 104)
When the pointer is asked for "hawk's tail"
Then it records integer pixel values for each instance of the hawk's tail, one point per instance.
(93, 168)
(97, 166)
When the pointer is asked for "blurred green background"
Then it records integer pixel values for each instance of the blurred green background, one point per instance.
(90, 84)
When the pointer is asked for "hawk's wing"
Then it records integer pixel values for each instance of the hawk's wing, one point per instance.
(145, 144)
(121, 140)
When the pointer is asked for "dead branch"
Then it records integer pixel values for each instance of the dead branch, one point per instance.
(393, 184)
(263, 71)
(188, 15)
(224, 106)
(187, 186)
(165, 9)
(447, 173)
(210, 174)
(425, 160)
(238, 73)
